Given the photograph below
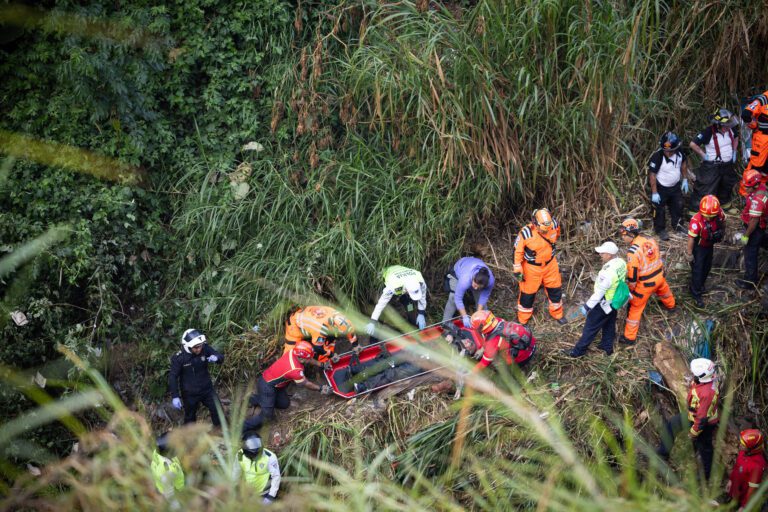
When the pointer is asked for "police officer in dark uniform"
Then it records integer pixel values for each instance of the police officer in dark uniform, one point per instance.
(189, 380)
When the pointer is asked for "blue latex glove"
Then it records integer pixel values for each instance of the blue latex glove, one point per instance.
(267, 500)
(370, 328)
(213, 359)
(584, 310)
(705, 158)
(744, 239)
(735, 154)
(685, 187)
(655, 198)
(176, 403)
(421, 322)
(467, 322)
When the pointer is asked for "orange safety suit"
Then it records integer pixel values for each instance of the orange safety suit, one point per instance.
(645, 276)
(756, 116)
(320, 326)
(535, 258)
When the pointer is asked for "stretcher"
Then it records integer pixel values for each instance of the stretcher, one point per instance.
(339, 374)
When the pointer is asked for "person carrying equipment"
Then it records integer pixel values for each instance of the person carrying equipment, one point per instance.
(755, 115)
(755, 218)
(321, 325)
(600, 309)
(166, 471)
(716, 145)
(668, 176)
(189, 381)
(500, 336)
(271, 385)
(703, 415)
(706, 229)
(259, 467)
(409, 286)
(468, 274)
(750, 468)
(535, 264)
(645, 277)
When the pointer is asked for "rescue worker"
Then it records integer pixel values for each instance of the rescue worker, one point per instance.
(703, 415)
(409, 286)
(501, 336)
(645, 277)
(668, 176)
(189, 381)
(716, 145)
(166, 470)
(271, 385)
(320, 325)
(259, 467)
(705, 229)
(535, 264)
(599, 311)
(755, 115)
(750, 468)
(755, 218)
(468, 274)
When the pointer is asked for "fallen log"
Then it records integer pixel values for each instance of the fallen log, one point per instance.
(673, 367)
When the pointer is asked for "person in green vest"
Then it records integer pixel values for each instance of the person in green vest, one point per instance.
(259, 467)
(166, 471)
(409, 286)
(600, 309)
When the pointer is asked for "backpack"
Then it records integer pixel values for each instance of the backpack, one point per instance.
(620, 296)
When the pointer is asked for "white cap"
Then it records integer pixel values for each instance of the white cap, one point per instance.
(607, 248)
(413, 287)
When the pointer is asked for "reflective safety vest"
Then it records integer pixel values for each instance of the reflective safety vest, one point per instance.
(256, 472)
(643, 261)
(167, 473)
(703, 405)
(396, 277)
(617, 269)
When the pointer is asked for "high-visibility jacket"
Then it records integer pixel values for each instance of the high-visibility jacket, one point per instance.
(703, 405)
(167, 474)
(263, 474)
(756, 114)
(317, 325)
(748, 473)
(643, 261)
(613, 272)
(396, 278)
(534, 247)
(756, 206)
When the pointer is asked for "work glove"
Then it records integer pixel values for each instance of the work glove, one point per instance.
(213, 359)
(370, 328)
(685, 186)
(421, 322)
(267, 500)
(655, 198)
(467, 321)
(518, 276)
(327, 366)
(689, 258)
(478, 355)
(176, 403)
(744, 239)
(356, 348)
(584, 310)
(336, 358)
(325, 389)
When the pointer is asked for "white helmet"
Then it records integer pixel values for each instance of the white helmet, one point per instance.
(703, 369)
(192, 338)
(413, 287)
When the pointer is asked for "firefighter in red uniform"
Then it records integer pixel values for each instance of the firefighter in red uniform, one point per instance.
(756, 116)
(535, 264)
(755, 218)
(271, 385)
(501, 336)
(750, 468)
(706, 229)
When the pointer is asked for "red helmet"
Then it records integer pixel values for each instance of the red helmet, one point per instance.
(752, 440)
(304, 350)
(751, 178)
(484, 321)
(543, 220)
(709, 206)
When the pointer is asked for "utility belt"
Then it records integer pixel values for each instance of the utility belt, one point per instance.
(540, 264)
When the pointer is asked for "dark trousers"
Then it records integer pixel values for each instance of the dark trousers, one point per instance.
(598, 320)
(193, 400)
(270, 398)
(757, 239)
(717, 178)
(700, 267)
(672, 198)
(702, 444)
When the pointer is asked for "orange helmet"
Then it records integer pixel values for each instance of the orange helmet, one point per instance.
(304, 350)
(751, 440)
(542, 219)
(630, 226)
(484, 321)
(751, 178)
(709, 206)
(338, 325)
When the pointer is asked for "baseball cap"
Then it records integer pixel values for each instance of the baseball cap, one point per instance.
(607, 248)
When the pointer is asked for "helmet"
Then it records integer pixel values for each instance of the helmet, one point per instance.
(721, 117)
(162, 443)
(630, 226)
(703, 369)
(339, 326)
(752, 440)
(484, 321)
(709, 206)
(252, 446)
(304, 350)
(543, 219)
(669, 141)
(192, 338)
(751, 178)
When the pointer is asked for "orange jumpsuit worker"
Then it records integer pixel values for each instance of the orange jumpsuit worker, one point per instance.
(645, 277)
(535, 264)
(755, 115)
(320, 325)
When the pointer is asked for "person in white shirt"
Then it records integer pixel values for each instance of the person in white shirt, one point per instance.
(716, 145)
(668, 176)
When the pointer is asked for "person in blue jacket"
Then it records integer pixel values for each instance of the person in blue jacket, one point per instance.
(468, 275)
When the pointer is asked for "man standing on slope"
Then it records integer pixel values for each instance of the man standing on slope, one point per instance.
(716, 145)
(668, 177)
(755, 115)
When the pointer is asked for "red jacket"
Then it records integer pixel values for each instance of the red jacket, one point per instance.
(703, 406)
(505, 335)
(285, 370)
(747, 475)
